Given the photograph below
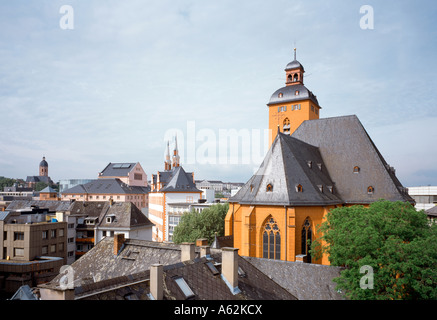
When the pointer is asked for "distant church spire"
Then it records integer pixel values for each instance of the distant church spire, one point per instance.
(167, 162)
(175, 160)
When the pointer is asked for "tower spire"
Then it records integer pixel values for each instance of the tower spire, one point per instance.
(167, 163)
(294, 53)
(175, 162)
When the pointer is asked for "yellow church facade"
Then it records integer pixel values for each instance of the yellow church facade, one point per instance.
(313, 165)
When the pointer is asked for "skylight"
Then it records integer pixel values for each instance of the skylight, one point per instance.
(186, 290)
(212, 268)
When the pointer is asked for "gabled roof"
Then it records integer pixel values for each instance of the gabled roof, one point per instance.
(100, 274)
(125, 215)
(106, 186)
(432, 211)
(48, 190)
(177, 180)
(306, 281)
(100, 263)
(36, 179)
(289, 163)
(117, 169)
(51, 205)
(343, 144)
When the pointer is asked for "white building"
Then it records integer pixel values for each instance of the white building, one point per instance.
(425, 196)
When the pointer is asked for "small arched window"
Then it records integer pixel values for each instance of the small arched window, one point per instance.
(296, 77)
(356, 169)
(299, 188)
(280, 95)
(269, 187)
(370, 190)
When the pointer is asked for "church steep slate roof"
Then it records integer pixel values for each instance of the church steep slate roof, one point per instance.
(177, 180)
(344, 144)
(288, 164)
(334, 146)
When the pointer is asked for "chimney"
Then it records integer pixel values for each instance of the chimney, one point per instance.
(205, 251)
(118, 242)
(201, 242)
(230, 268)
(156, 278)
(187, 251)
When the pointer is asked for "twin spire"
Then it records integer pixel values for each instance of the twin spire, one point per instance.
(175, 161)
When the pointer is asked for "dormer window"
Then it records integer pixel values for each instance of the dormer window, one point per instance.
(251, 187)
(330, 189)
(269, 187)
(370, 190)
(356, 169)
(299, 188)
(320, 187)
(280, 95)
(320, 166)
(310, 164)
(110, 219)
(296, 93)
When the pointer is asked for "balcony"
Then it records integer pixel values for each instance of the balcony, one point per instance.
(85, 240)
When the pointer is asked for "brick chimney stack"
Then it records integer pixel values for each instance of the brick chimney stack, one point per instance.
(187, 251)
(118, 242)
(156, 278)
(230, 268)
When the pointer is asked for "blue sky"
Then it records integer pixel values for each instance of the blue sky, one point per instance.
(131, 73)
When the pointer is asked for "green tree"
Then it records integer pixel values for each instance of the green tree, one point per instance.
(40, 186)
(6, 182)
(195, 225)
(388, 242)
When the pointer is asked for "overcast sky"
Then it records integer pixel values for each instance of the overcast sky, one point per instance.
(132, 74)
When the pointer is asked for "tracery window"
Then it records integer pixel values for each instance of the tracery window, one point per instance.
(307, 237)
(271, 240)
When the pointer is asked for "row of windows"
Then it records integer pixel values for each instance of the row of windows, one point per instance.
(314, 109)
(299, 188)
(19, 252)
(45, 234)
(293, 107)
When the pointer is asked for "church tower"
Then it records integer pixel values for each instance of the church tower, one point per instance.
(43, 168)
(176, 159)
(291, 105)
(167, 162)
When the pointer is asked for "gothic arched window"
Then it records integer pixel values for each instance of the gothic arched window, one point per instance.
(271, 240)
(307, 237)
